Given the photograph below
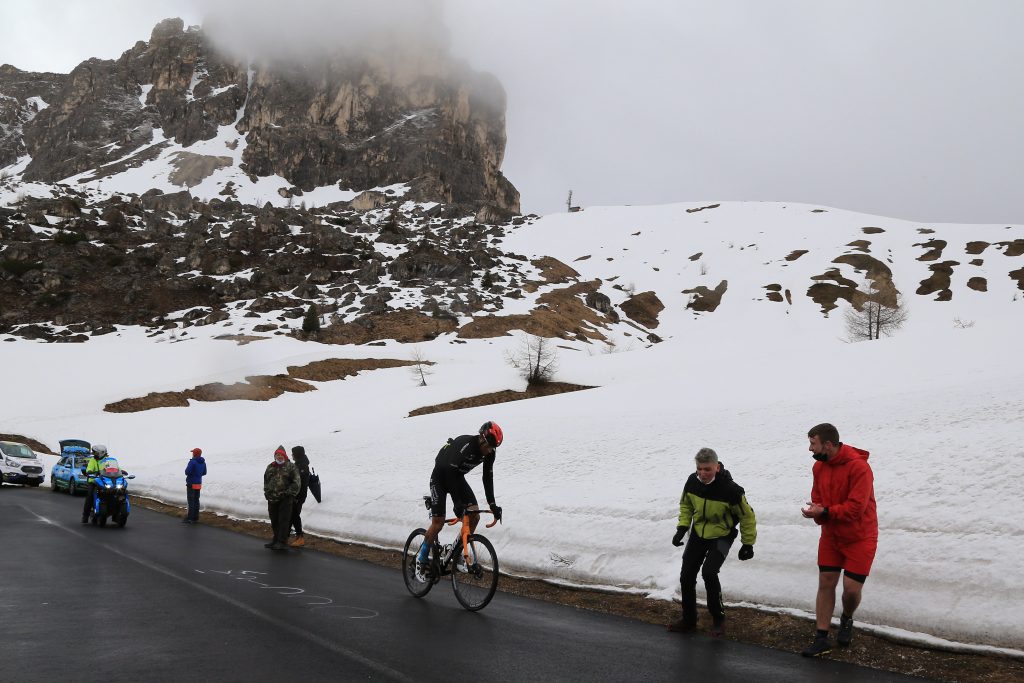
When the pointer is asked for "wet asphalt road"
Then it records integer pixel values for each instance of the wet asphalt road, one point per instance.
(164, 601)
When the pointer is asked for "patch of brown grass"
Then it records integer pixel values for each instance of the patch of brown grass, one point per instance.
(532, 391)
(939, 281)
(559, 314)
(934, 248)
(37, 446)
(407, 327)
(257, 387)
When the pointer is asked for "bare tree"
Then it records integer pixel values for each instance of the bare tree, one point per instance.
(876, 319)
(420, 366)
(536, 359)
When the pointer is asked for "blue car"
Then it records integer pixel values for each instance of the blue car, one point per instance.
(67, 473)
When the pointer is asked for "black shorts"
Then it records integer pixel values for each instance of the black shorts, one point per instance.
(446, 481)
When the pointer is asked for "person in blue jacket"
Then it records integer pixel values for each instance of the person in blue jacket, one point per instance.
(194, 472)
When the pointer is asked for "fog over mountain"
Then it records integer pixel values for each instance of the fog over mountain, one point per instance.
(902, 109)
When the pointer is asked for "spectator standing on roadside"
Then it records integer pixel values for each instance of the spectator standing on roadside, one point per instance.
(195, 470)
(280, 486)
(302, 463)
(843, 505)
(711, 506)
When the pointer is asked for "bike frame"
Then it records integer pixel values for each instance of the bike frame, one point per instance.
(465, 531)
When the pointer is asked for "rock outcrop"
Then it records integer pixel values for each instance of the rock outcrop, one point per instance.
(356, 120)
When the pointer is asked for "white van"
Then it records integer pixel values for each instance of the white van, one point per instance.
(19, 465)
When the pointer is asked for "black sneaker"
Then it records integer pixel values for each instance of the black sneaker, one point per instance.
(819, 646)
(278, 546)
(269, 545)
(718, 628)
(845, 633)
(682, 626)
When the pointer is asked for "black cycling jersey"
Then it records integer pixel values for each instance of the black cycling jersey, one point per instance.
(462, 454)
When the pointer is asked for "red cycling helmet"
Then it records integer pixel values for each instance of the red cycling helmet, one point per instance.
(492, 432)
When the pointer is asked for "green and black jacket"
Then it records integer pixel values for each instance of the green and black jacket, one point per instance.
(713, 510)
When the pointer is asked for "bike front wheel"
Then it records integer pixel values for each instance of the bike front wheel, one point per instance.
(474, 582)
(409, 554)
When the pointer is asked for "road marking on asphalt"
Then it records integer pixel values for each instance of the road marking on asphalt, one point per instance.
(294, 630)
(251, 576)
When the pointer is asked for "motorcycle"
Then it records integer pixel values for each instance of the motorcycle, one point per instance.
(110, 495)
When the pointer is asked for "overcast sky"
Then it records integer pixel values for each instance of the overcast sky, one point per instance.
(909, 108)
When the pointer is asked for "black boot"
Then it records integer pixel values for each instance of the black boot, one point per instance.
(845, 633)
(819, 646)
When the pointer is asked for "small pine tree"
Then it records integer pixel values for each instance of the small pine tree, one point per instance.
(311, 321)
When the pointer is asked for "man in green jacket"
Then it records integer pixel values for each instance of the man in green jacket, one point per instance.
(711, 506)
(280, 486)
(92, 469)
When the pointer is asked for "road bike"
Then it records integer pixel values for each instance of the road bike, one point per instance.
(470, 560)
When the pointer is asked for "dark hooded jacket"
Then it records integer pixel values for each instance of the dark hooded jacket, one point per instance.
(302, 463)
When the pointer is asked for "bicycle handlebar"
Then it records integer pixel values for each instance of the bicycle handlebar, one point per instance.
(456, 520)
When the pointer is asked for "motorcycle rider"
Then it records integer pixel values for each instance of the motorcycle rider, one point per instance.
(92, 469)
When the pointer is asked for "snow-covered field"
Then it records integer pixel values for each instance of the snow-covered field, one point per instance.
(590, 481)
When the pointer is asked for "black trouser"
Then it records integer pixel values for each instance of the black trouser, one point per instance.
(709, 553)
(192, 495)
(297, 514)
(87, 506)
(280, 517)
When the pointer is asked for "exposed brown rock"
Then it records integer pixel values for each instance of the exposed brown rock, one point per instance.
(939, 280)
(872, 231)
(702, 208)
(191, 169)
(706, 300)
(357, 120)
(795, 254)
(978, 247)
(934, 248)
(643, 308)
(1014, 248)
(978, 284)
(1018, 275)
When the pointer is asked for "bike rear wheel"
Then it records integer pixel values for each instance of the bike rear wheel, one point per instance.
(474, 585)
(412, 548)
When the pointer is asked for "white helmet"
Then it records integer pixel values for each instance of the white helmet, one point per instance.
(99, 450)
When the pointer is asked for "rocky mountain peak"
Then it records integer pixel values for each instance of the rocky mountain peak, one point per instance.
(354, 119)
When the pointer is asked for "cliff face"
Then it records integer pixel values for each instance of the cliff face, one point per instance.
(357, 120)
(23, 95)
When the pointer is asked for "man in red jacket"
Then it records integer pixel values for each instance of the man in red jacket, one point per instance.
(843, 505)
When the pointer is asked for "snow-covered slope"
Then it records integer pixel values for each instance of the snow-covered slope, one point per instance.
(590, 481)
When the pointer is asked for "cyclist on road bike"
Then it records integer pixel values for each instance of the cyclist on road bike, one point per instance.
(454, 460)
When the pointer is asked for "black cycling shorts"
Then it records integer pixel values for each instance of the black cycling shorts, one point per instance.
(446, 481)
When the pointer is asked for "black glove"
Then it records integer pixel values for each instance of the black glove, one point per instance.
(746, 551)
(496, 509)
(677, 540)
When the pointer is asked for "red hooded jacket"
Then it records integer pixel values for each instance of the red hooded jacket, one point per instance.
(845, 485)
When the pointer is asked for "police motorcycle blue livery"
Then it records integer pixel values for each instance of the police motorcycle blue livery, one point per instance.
(110, 494)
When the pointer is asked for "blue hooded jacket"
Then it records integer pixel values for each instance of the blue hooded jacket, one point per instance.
(194, 470)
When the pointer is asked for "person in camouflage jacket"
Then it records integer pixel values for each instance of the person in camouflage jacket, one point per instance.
(281, 484)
